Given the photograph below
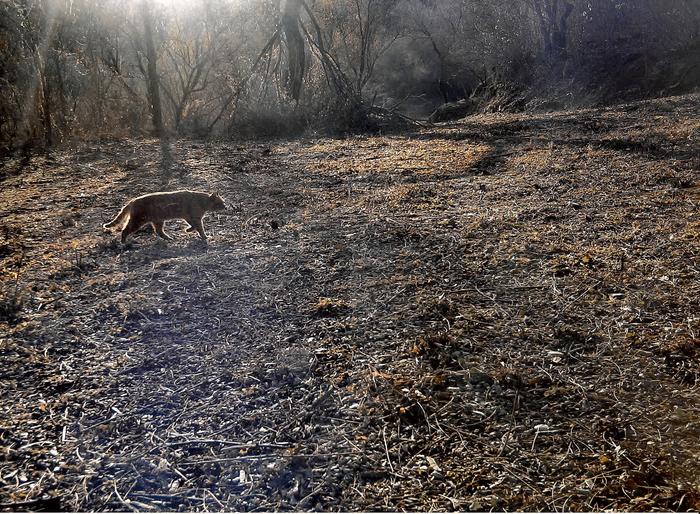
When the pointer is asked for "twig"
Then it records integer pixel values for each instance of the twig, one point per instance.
(232, 445)
(386, 449)
(121, 500)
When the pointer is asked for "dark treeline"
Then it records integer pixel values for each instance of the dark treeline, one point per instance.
(238, 68)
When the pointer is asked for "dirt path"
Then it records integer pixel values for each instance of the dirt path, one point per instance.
(500, 313)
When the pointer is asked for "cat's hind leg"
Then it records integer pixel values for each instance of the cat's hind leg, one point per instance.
(198, 225)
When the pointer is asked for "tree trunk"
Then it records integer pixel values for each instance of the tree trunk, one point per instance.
(553, 26)
(291, 10)
(152, 79)
(46, 104)
(559, 34)
(45, 100)
(61, 92)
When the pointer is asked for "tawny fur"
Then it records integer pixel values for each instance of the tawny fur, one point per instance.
(156, 208)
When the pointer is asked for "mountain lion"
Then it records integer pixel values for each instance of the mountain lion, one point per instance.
(156, 208)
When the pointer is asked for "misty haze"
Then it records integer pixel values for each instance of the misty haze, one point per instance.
(350, 255)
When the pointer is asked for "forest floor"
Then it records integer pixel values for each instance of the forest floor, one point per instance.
(501, 313)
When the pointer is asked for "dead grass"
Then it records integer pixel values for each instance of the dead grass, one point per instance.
(500, 313)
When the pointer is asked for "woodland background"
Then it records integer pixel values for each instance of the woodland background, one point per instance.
(79, 68)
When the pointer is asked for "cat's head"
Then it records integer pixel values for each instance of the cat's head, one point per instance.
(216, 203)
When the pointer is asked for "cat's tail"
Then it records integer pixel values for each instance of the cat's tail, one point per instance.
(120, 219)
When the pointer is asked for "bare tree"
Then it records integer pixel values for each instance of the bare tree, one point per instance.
(359, 33)
(441, 24)
(152, 77)
(291, 12)
(553, 17)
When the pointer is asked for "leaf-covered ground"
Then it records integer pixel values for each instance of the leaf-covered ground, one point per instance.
(499, 313)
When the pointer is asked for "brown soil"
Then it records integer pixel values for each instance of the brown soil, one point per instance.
(500, 313)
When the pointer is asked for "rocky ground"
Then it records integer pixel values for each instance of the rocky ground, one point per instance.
(501, 313)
